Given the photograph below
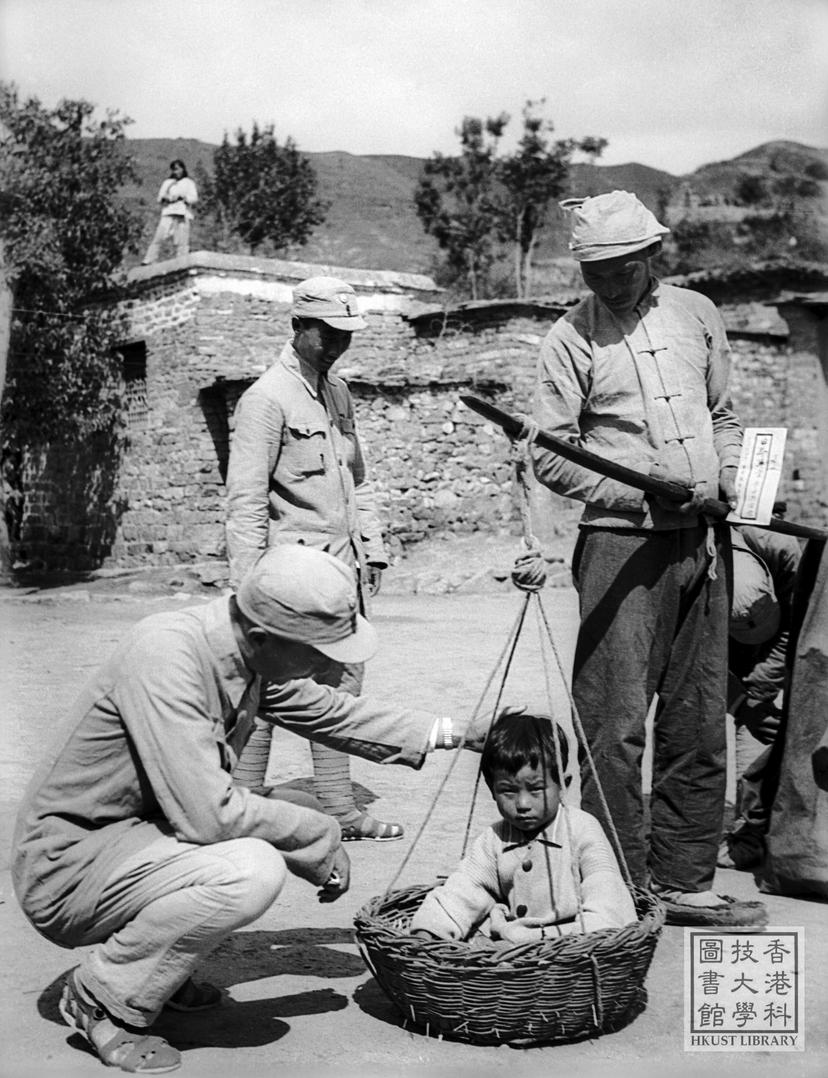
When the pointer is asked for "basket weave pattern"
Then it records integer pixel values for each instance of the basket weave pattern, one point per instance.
(535, 993)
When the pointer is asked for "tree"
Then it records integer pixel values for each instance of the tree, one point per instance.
(456, 200)
(531, 178)
(474, 203)
(64, 232)
(6, 302)
(750, 190)
(261, 192)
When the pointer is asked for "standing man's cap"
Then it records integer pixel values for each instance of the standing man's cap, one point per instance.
(308, 596)
(330, 300)
(610, 225)
(754, 611)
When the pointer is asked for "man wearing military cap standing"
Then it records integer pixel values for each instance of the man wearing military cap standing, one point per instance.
(297, 474)
(637, 372)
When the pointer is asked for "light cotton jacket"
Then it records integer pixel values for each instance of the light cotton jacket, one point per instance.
(178, 198)
(152, 740)
(297, 472)
(532, 882)
(649, 388)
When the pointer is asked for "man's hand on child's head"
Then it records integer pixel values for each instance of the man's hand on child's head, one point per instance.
(472, 737)
(475, 737)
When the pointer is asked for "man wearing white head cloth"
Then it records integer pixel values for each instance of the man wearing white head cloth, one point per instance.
(637, 372)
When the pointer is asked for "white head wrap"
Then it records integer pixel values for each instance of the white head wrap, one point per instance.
(610, 225)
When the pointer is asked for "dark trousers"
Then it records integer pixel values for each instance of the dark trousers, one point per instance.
(653, 622)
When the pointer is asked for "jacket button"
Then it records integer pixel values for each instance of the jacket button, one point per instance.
(521, 911)
(527, 865)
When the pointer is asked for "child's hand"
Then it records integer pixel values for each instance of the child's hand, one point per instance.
(515, 932)
(503, 927)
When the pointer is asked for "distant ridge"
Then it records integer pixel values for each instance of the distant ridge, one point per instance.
(372, 222)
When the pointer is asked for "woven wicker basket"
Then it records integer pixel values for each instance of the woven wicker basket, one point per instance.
(538, 993)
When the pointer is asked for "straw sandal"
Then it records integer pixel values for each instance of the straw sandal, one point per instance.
(366, 827)
(728, 911)
(133, 1050)
(192, 997)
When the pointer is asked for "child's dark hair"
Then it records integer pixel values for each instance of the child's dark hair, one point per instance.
(517, 741)
(179, 162)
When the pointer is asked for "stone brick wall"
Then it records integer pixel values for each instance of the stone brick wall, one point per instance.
(210, 324)
(775, 385)
(438, 466)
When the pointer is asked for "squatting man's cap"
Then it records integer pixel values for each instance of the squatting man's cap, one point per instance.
(308, 596)
(330, 300)
(610, 225)
(754, 611)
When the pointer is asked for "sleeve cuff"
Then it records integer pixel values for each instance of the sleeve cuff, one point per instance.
(441, 735)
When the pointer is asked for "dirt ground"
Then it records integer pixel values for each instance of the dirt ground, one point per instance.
(300, 1001)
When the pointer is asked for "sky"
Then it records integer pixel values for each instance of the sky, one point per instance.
(670, 83)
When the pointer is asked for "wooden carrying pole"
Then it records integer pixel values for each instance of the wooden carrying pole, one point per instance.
(515, 427)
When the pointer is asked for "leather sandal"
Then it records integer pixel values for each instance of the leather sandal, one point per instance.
(191, 996)
(131, 1049)
(365, 827)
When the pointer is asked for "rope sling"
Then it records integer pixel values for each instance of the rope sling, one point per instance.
(529, 576)
(554, 990)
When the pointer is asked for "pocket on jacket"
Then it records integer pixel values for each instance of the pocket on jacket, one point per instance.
(304, 448)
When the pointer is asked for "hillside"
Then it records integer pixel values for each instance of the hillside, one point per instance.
(772, 162)
(372, 222)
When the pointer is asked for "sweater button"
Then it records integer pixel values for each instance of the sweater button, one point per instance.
(527, 865)
(521, 911)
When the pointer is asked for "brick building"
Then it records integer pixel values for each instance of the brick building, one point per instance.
(201, 328)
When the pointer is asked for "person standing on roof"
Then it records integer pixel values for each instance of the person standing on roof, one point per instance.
(177, 196)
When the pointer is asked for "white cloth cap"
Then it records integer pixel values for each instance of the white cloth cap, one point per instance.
(309, 596)
(610, 225)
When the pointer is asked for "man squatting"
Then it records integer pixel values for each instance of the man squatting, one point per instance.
(133, 838)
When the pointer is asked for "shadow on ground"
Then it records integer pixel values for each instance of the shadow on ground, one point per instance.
(246, 957)
(363, 796)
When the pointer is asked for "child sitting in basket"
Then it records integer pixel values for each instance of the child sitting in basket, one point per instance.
(522, 878)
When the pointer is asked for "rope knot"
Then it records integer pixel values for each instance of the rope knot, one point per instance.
(529, 571)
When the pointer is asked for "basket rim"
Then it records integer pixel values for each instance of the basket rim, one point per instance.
(374, 930)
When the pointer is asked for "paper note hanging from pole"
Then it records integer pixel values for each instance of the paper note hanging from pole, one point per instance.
(760, 469)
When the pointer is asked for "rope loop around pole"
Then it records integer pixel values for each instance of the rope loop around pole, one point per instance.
(529, 571)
